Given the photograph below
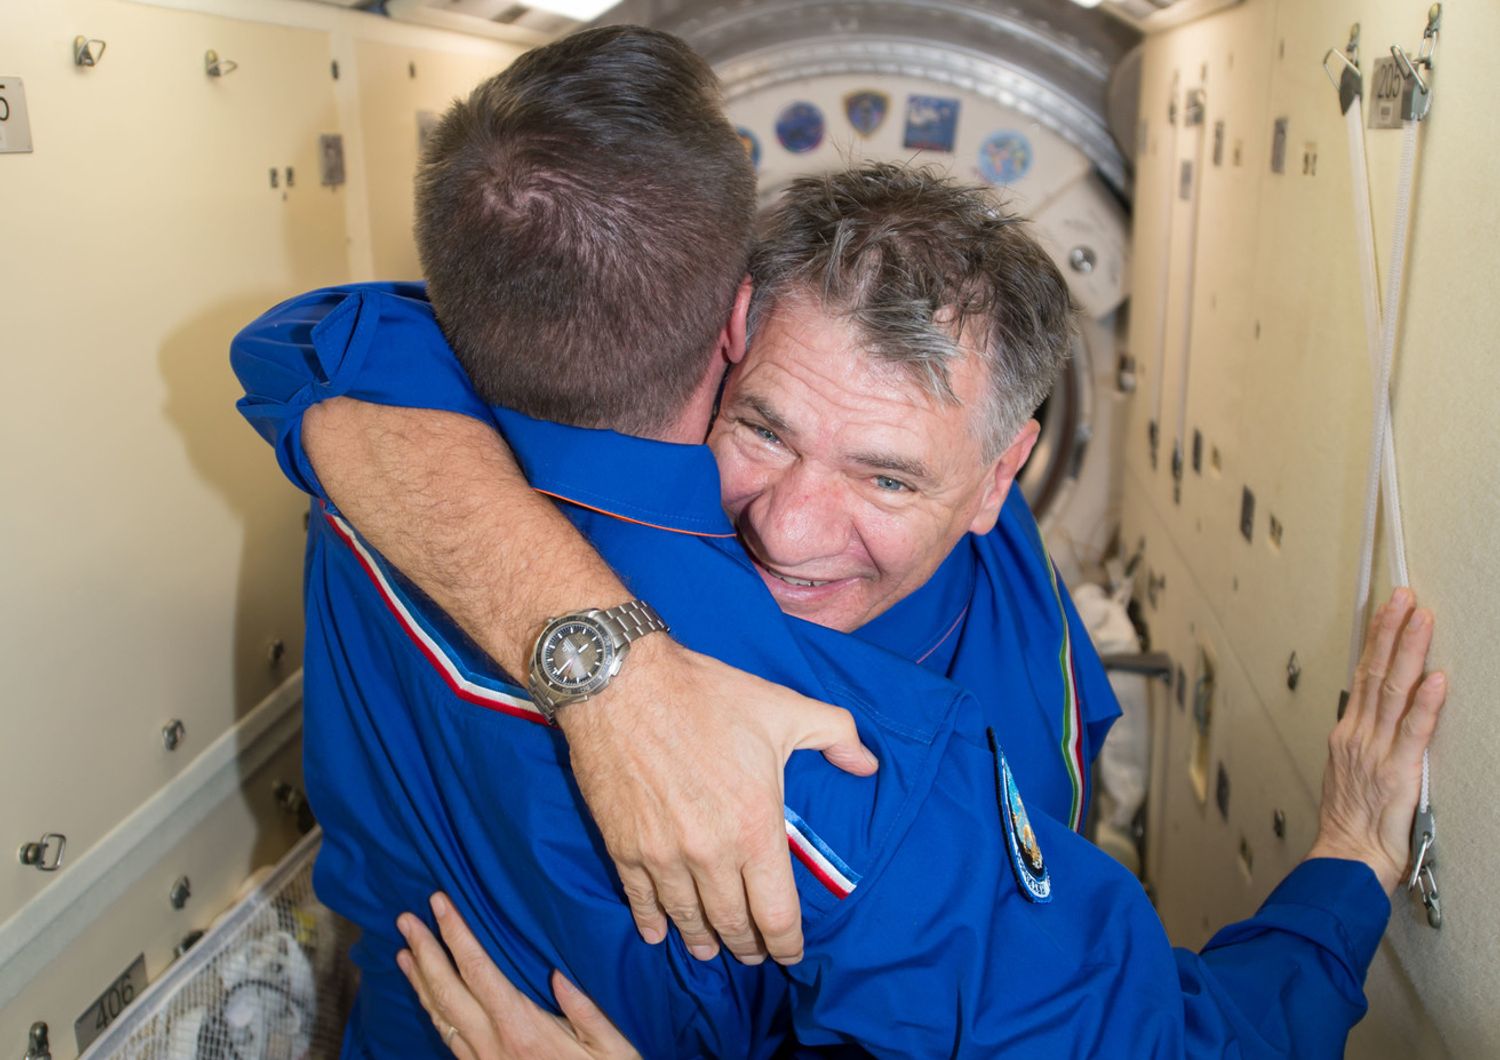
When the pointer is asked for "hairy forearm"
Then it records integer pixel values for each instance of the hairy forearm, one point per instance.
(439, 495)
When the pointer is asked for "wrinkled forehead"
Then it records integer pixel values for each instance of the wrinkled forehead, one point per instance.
(800, 327)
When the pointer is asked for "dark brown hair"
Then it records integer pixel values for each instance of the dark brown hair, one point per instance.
(583, 220)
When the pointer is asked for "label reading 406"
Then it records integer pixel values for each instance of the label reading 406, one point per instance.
(111, 1003)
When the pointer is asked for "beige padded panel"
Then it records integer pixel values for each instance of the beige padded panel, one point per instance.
(389, 100)
(152, 547)
(1280, 389)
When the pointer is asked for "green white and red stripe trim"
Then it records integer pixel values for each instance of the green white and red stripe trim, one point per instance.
(1072, 720)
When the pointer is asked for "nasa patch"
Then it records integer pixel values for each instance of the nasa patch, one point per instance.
(866, 111)
(800, 128)
(752, 146)
(931, 123)
(1020, 840)
(1004, 157)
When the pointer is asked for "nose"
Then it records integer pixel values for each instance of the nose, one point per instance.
(799, 521)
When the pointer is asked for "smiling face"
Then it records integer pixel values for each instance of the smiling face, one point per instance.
(848, 482)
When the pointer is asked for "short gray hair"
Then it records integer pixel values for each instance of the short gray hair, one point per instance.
(914, 260)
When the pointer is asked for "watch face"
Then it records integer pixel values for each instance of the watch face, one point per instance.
(574, 654)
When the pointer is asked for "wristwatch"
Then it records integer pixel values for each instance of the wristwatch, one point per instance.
(578, 654)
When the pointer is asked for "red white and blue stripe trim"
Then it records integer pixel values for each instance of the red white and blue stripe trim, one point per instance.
(479, 689)
(806, 845)
(818, 858)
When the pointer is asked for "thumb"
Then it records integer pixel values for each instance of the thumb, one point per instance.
(832, 731)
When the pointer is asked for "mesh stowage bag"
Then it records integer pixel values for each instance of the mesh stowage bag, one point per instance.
(269, 981)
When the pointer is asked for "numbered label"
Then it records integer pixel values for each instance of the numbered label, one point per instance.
(15, 127)
(120, 993)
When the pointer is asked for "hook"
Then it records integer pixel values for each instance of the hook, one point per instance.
(213, 66)
(1428, 883)
(1349, 66)
(1408, 67)
(87, 51)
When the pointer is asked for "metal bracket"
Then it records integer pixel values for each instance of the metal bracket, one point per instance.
(1416, 96)
(87, 51)
(213, 66)
(1147, 664)
(38, 1044)
(1424, 864)
(36, 854)
(1196, 108)
(1349, 82)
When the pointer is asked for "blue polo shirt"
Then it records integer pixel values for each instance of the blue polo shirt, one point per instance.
(940, 916)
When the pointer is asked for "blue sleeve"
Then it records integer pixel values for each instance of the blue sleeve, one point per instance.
(940, 952)
(1290, 980)
(375, 342)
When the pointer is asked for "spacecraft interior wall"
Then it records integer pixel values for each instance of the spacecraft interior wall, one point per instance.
(155, 549)
(1255, 330)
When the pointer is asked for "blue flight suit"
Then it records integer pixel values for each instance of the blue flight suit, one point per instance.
(939, 917)
(994, 616)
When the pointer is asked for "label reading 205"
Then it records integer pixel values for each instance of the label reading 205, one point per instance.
(111, 1003)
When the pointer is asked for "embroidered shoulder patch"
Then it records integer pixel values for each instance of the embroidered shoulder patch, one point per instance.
(1020, 840)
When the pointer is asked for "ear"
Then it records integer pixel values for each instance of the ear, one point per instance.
(732, 337)
(1000, 476)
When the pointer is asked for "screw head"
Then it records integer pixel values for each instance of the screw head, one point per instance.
(181, 891)
(173, 733)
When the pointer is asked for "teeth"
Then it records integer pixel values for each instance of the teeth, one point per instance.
(796, 581)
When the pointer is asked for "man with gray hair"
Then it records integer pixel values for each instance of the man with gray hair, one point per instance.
(883, 292)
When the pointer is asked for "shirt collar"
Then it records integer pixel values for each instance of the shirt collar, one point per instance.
(658, 484)
(924, 626)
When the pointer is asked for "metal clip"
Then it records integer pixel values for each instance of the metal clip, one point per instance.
(35, 854)
(38, 1046)
(1423, 836)
(87, 51)
(213, 66)
(1349, 82)
(1430, 898)
(1416, 97)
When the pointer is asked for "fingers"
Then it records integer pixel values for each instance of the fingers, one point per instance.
(725, 905)
(832, 731)
(640, 892)
(594, 1030)
(679, 897)
(1416, 728)
(494, 994)
(1405, 672)
(442, 993)
(1374, 662)
(1380, 638)
(774, 905)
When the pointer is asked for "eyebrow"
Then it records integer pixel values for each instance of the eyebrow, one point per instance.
(879, 461)
(876, 460)
(762, 408)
